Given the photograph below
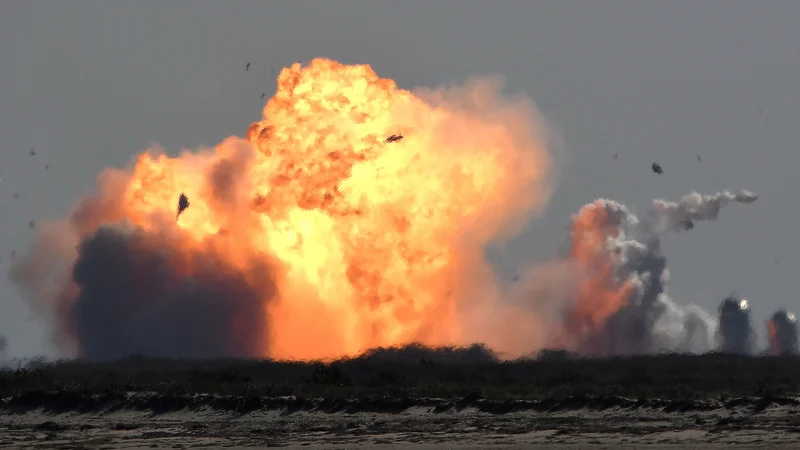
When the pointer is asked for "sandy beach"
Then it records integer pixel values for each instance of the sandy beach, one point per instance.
(745, 426)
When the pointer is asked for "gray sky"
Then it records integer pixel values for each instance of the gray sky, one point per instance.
(90, 84)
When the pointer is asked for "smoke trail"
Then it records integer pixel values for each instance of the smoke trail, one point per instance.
(622, 305)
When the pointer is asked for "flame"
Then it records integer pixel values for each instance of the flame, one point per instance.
(599, 294)
(369, 236)
(782, 334)
(775, 347)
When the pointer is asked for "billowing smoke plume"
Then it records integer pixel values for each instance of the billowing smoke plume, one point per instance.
(782, 333)
(734, 330)
(126, 290)
(346, 219)
(622, 306)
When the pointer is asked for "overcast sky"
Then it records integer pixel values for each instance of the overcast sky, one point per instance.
(90, 84)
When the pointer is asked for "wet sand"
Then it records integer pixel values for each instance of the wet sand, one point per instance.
(406, 398)
(420, 427)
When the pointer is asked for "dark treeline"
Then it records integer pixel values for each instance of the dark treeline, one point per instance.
(416, 372)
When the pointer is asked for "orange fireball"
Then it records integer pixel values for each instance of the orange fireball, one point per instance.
(370, 239)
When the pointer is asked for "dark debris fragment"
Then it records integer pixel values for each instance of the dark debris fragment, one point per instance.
(183, 203)
(657, 168)
(394, 138)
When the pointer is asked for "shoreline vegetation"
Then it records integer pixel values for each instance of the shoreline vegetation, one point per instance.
(397, 379)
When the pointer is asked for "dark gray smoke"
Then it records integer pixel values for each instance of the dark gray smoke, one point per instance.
(133, 292)
(141, 294)
(126, 291)
(782, 333)
(648, 321)
(734, 331)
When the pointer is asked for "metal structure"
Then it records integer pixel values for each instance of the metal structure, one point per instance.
(734, 333)
(782, 333)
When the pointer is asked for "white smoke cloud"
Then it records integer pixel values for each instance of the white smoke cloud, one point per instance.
(651, 321)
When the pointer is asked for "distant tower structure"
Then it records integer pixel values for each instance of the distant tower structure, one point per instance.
(3, 345)
(782, 333)
(734, 332)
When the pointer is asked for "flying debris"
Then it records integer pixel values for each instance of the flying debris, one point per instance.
(263, 95)
(745, 197)
(183, 203)
(247, 66)
(699, 158)
(616, 156)
(32, 152)
(47, 167)
(16, 195)
(657, 168)
(676, 216)
(32, 224)
(394, 138)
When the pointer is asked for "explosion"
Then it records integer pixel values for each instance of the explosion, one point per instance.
(311, 237)
(355, 215)
(621, 306)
